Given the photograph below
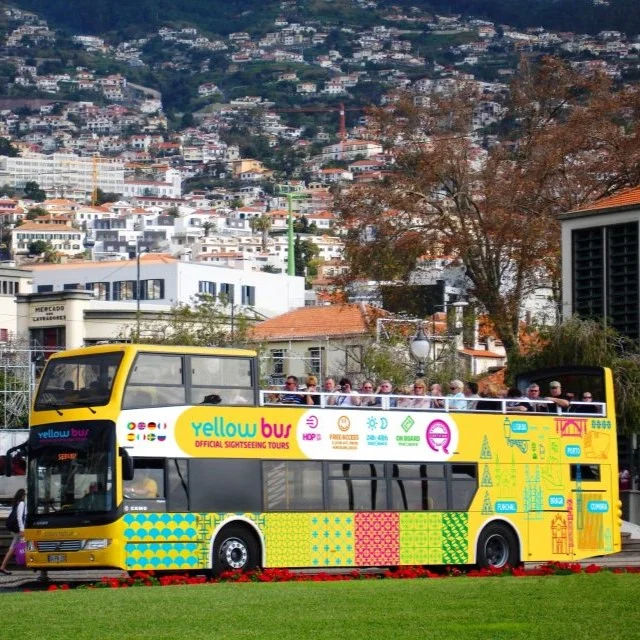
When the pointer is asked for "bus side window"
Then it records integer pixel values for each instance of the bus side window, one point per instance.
(226, 378)
(148, 480)
(156, 379)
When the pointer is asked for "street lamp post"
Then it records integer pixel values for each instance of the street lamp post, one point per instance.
(291, 263)
(420, 346)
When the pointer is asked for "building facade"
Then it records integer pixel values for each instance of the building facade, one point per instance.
(63, 173)
(600, 262)
(165, 281)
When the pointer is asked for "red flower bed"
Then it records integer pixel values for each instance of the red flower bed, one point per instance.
(150, 579)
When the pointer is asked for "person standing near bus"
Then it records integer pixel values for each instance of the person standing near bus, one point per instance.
(19, 507)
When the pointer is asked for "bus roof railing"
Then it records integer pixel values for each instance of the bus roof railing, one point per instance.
(447, 404)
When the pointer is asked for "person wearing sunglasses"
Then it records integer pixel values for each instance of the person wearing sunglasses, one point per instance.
(291, 396)
(418, 396)
(585, 408)
(457, 403)
(366, 394)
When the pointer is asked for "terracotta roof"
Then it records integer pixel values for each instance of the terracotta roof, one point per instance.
(481, 353)
(36, 226)
(627, 198)
(146, 257)
(319, 322)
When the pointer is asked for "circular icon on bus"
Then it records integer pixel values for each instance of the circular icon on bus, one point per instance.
(439, 436)
(344, 423)
(131, 426)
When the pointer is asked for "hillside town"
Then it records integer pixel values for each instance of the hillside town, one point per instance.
(100, 177)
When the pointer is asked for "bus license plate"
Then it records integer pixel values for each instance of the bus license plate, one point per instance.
(57, 557)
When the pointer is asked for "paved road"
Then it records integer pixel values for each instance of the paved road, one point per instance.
(28, 579)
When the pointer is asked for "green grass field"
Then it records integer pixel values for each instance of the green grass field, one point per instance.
(592, 606)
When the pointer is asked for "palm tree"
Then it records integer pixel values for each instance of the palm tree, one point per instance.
(262, 224)
(207, 226)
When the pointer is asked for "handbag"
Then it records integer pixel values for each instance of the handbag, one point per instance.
(20, 552)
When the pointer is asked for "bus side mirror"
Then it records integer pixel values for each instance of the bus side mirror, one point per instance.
(127, 464)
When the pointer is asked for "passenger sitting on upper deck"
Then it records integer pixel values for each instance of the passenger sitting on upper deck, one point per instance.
(330, 387)
(436, 396)
(421, 401)
(471, 394)
(291, 385)
(585, 408)
(347, 397)
(458, 401)
(385, 389)
(555, 396)
(312, 398)
(366, 394)
(516, 403)
(533, 393)
(489, 400)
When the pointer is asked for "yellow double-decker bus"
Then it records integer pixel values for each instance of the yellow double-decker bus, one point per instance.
(171, 458)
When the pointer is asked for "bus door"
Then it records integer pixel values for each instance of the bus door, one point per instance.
(594, 513)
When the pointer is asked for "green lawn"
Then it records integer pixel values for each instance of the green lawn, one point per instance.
(594, 606)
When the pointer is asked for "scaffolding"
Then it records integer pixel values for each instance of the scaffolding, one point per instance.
(20, 366)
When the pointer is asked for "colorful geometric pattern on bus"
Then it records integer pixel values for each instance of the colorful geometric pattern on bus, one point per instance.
(288, 539)
(333, 540)
(455, 534)
(420, 538)
(162, 555)
(173, 540)
(377, 539)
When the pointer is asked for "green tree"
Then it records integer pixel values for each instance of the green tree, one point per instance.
(263, 225)
(586, 342)
(32, 191)
(35, 212)
(7, 149)
(105, 196)
(38, 247)
(208, 322)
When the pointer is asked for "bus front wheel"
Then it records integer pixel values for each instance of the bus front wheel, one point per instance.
(497, 547)
(235, 549)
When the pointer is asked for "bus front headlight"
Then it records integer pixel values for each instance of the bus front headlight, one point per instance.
(96, 543)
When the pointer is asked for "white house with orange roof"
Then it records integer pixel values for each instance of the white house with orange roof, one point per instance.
(63, 239)
(325, 341)
(322, 219)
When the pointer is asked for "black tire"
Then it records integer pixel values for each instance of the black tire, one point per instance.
(497, 547)
(235, 549)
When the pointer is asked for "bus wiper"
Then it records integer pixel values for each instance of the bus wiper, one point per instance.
(92, 410)
(56, 407)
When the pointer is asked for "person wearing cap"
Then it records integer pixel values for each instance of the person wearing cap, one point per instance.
(555, 396)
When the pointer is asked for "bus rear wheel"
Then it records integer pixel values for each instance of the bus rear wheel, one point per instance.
(497, 547)
(235, 549)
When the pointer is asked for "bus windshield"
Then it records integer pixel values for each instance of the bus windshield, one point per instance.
(71, 468)
(78, 381)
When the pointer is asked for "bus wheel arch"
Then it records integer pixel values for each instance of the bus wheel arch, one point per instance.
(236, 547)
(498, 546)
